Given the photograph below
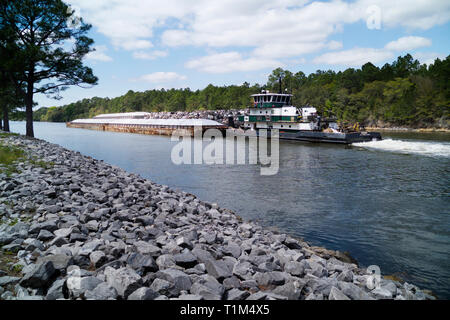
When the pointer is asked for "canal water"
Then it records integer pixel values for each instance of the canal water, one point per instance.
(387, 203)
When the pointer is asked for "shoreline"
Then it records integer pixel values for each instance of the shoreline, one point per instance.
(77, 227)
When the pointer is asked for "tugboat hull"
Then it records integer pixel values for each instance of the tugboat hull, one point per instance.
(330, 137)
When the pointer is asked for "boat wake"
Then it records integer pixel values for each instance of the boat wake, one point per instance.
(432, 149)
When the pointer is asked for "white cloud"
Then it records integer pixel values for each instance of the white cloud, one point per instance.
(143, 55)
(428, 57)
(161, 77)
(334, 45)
(408, 43)
(133, 44)
(268, 30)
(358, 56)
(99, 54)
(230, 62)
(419, 14)
(354, 57)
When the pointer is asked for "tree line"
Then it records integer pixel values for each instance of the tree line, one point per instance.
(402, 93)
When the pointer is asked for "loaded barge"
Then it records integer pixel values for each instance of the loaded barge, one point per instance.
(140, 122)
(275, 111)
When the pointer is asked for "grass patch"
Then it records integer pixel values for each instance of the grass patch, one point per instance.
(6, 261)
(14, 222)
(8, 156)
(7, 134)
(42, 164)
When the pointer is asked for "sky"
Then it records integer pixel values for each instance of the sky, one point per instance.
(152, 44)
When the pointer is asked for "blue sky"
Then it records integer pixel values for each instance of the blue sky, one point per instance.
(147, 44)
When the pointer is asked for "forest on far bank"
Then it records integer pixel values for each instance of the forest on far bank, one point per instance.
(403, 93)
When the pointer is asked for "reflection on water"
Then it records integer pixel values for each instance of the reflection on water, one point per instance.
(385, 207)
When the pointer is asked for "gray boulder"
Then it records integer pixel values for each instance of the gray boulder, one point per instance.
(146, 248)
(271, 278)
(77, 285)
(56, 291)
(353, 291)
(45, 235)
(125, 280)
(237, 294)
(180, 280)
(40, 276)
(143, 294)
(185, 259)
(336, 294)
(142, 263)
(60, 261)
(218, 269)
(208, 288)
(101, 292)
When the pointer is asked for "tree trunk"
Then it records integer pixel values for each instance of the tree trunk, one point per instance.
(5, 118)
(1, 124)
(29, 110)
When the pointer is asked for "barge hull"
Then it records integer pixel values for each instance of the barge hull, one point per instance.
(144, 129)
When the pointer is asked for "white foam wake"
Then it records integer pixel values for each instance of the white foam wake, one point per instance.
(426, 148)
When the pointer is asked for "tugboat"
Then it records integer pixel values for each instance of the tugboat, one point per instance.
(275, 111)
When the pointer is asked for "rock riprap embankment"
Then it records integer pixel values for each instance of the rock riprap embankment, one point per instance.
(79, 228)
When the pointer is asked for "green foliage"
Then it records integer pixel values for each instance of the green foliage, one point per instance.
(13, 222)
(8, 157)
(402, 93)
(39, 60)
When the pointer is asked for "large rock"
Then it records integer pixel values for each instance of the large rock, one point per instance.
(7, 280)
(40, 276)
(237, 294)
(142, 264)
(50, 225)
(218, 269)
(165, 261)
(90, 247)
(143, 294)
(97, 258)
(77, 285)
(202, 255)
(243, 270)
(125, 280)
(271, 278)
(146, 248)
(336, 294)
(292, 289)
(101, 292)
(60, 261)
(56, 291)
(185, 259)
(382, 293)
(208, 288)
(161, 286)
(45, 235)
(294, 268)
(232, 249)
(353, 291)
(179, 279)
